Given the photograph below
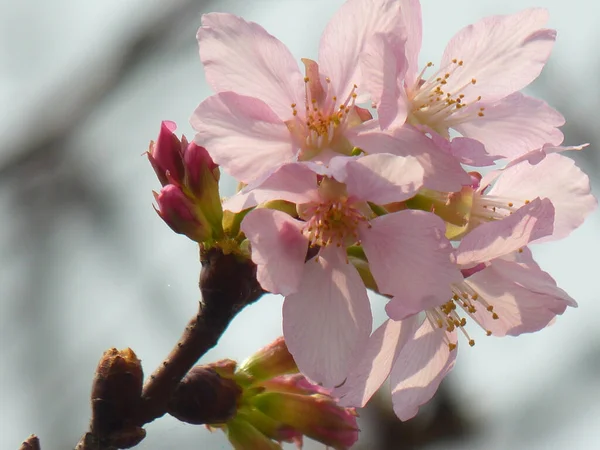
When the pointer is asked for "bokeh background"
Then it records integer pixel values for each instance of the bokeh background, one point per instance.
(86, 264)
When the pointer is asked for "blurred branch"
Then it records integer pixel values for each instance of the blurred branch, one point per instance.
(70, 105)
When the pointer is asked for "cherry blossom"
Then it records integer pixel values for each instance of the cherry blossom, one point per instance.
(266, 112)
(326, 312)
(475, 89)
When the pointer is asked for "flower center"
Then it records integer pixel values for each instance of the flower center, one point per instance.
(439, 104)
(334, 220)
(450, 315)
(325, 117)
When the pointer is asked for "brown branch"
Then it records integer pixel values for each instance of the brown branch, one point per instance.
(228, 284)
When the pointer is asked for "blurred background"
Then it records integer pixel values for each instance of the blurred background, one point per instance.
(86, 264)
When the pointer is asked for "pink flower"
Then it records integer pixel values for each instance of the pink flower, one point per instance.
(326, 313)
(475, 89)
(508, 295)
(266, 112)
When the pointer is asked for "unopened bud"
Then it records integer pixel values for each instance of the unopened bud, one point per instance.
(202, 180)
(166, 154)
(204, 396)
(317, 416)
(181, 214)
(116, 393)
(270, 361)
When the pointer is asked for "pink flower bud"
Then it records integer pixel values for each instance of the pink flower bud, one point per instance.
(181, 214)
(166, 154)
(202, 180)
(317, 416)
(199, 164)
(270, 361)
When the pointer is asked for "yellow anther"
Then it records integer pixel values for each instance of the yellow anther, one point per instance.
(451, 346)
(306, 79)
(472, 342)
(495, 316)
(473, 81)
(488, 333)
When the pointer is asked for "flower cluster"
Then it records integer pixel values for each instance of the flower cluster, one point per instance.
(359, 174)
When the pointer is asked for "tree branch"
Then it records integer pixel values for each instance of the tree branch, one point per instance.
(228, 284)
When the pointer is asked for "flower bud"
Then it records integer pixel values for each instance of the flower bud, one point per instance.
(204, 396)
(116, 393)
(166, 154)
(270, 361)
(181, 214)
(202, 181)
(316, 416)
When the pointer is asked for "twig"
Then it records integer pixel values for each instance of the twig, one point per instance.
(228, 284)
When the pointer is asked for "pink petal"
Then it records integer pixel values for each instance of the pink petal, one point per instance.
(411, 259)
(242, 57)
(383, 178)
(372, 367)
(242, 134)
(443, 172)
(557, 178)
(328, 321)
(503, 53)
(534, 278)
(533, 157)
(494, 239)
(278, 249)
(293, 182)
(383, 72)
(340, 49)
(467, 151)
(514, 125)
(420, 368)
(525, 298)
(411, 15)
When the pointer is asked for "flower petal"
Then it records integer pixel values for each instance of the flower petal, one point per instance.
(293, 182)
(420, 368)
(557, 178)
(372, 367)
(502, 53)
(383, 178)
(383, 66)
(278, 249)
(242, 57)
(242, 134)
(411, 15)
(328, 321)
(339, 49)
(514, 126)
(411, 259)
(468, 151)
(443, 172)
(524, 298)
(494, 239)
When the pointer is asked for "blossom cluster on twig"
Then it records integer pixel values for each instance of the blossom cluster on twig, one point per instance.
(366, 171)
